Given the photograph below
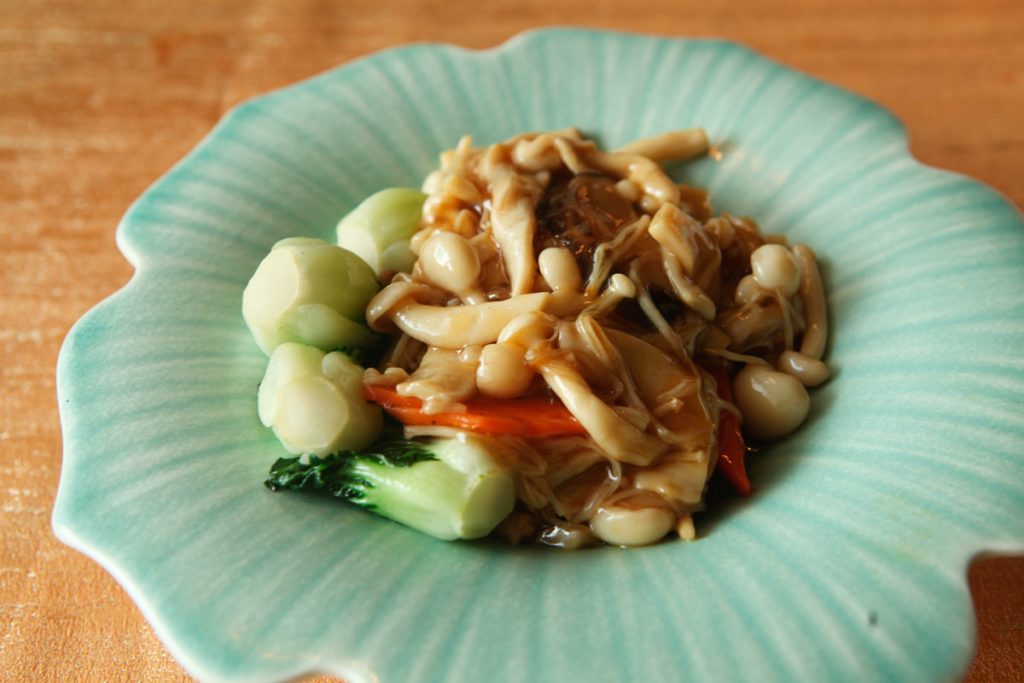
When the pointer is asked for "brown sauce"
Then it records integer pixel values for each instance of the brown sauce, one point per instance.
(579, 212)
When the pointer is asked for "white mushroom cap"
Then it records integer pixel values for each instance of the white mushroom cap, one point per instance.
(775, 267)
(620, 525)
(773, 403)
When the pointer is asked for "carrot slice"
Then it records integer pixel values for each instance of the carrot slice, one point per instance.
(525, 417)
(732, 449)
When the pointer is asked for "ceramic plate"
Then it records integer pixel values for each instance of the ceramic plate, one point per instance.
(848, 563)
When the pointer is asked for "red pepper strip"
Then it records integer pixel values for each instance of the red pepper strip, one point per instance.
(731, 447)
(528, 417)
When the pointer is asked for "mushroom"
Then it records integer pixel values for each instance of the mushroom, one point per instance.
(773, 403)
(447, 260)
(452, 327)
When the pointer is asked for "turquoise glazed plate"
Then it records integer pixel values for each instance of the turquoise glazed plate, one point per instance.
(848, 563)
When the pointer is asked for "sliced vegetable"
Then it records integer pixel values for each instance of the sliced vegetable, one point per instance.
(453, 327)
(309, 291)
(732, 449)
(378, 230)
(313, 402)
(448, 488)
(525, 417)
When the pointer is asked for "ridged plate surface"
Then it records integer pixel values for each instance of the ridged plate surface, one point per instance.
(848, 564)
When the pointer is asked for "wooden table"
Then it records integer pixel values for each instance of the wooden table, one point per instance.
(97, 99)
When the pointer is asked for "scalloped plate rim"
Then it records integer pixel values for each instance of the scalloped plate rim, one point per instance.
(64, 526)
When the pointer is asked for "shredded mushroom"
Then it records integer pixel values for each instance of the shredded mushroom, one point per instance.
(550, 268)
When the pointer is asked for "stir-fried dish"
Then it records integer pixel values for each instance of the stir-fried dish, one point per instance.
(550, 342)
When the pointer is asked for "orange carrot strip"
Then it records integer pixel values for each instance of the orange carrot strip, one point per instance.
(524, 417)
(732, 449)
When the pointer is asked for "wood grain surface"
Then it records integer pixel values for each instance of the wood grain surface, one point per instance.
(97, 99)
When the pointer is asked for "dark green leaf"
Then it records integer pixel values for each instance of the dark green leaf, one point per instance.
(333, 473)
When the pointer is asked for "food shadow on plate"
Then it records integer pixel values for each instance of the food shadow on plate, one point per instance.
(768, 464)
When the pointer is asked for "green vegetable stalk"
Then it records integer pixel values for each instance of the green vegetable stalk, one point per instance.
(449, 488)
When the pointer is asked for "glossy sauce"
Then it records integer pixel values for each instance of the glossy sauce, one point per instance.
(580, 212)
